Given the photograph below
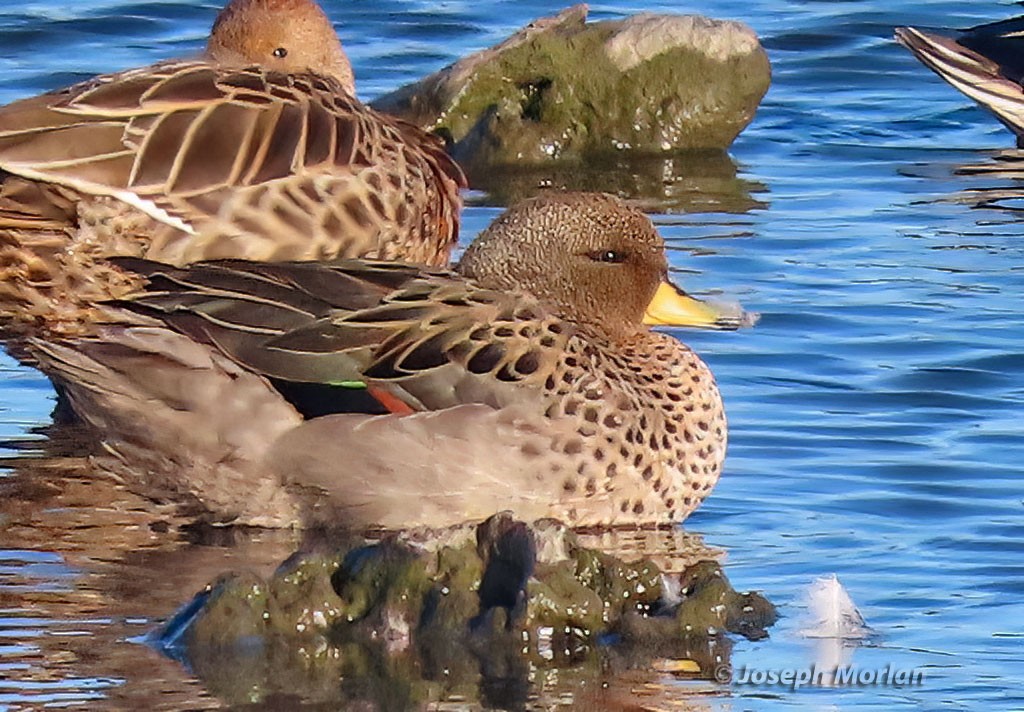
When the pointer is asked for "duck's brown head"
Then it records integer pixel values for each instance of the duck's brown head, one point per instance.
(290, 36)
(601, 261)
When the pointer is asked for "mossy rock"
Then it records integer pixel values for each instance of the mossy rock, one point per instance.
(453, 598)
(402, 621)
(556, 598)
(564, 89)
(711, 606)
(301, 599)
(232, 611)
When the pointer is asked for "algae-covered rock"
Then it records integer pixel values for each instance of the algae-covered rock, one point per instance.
(561, 88)
(558, 599)
(693, 639)
(456, 582)
(230, 612)
(710, 605)
(479, 613)
(301, 599)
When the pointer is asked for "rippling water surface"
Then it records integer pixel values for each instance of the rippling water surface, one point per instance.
(875, 411)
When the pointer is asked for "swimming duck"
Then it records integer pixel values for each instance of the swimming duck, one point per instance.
(527, 379)
(258, 149)
(986, 63)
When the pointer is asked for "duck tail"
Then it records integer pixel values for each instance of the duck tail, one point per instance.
(975, 75)
(175, 421)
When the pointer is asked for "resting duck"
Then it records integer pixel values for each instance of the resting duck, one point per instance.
(258, 150)
(986, 63)
(527, 379)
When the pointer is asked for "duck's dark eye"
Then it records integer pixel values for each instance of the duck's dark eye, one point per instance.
(280, 53)
(611, 256)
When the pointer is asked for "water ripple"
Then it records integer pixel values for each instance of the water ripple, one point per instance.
(875, 411)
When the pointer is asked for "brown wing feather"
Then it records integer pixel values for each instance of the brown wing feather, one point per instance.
(239, 306)
(395, 325)
(290, 161)
(28, 205)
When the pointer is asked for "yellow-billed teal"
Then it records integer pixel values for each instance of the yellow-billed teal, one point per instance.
(257, 150)
(528, 379)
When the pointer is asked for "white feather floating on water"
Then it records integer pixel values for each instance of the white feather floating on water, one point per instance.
(832, 613)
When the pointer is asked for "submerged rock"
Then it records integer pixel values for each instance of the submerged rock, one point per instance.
(564, 89)
(465, 609)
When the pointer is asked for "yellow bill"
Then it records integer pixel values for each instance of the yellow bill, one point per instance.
(672, 306)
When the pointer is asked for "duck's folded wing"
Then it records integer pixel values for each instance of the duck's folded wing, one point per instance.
(241, 307)
(432, 338)
(216, 152)
(31, 207)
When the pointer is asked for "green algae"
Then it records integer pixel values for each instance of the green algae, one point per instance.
(554, 92)
(541, 101)
(400, 622)
(301, 599)
(557, 598)
(711, 605)
(234, 609)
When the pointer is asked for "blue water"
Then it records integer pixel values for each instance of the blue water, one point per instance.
(875, 412)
